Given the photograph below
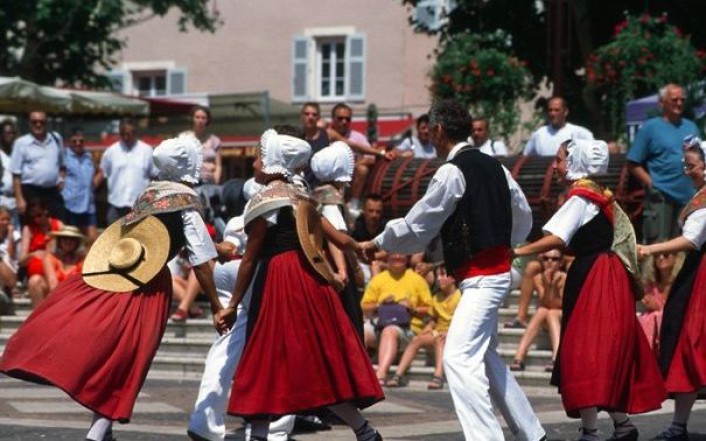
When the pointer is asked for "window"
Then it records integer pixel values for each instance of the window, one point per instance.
(148, 82)
(329, 68)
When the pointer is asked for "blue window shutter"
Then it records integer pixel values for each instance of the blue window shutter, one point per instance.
(117, 79)
(176, 81)
(355, 47)
(300, 68)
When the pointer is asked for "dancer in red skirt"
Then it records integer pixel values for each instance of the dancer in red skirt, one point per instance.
(96, 334)
(682, 355)
(604, 360)
(302, 351)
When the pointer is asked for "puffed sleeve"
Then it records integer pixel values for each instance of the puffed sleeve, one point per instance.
(694, 229)
(199, 246)
(573, 214)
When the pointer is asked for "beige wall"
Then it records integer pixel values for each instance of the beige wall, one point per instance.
(252, 50)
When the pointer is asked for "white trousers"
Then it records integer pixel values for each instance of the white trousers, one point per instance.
(207, 419)
(475, 371)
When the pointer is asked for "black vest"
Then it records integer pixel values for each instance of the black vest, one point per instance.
(483, 216)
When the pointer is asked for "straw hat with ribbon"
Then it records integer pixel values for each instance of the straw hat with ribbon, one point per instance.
(124, 257)
(68, 231)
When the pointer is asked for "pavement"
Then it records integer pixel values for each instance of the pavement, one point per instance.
(32, 412)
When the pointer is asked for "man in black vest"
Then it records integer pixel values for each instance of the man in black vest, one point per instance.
(470, 201)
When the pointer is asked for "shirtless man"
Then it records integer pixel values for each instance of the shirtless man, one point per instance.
(549, 285)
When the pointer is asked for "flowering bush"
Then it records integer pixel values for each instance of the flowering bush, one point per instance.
(645, 54)
(480, 71)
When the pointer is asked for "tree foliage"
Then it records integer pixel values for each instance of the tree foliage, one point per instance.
(71, 42)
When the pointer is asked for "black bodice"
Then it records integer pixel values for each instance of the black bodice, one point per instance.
(594, 237)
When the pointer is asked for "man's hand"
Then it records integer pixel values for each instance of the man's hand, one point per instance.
(643, 251)
(366, 251)
(226, 251)
(224, 319)
(389, 155)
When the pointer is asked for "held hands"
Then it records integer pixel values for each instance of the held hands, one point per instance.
(643, 251)
(224, 319)
(366, 251)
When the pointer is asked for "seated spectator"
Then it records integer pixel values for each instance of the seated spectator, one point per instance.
(549, 285)
(366, 227)
(9, 237)
(433, 336)
(180, 268)
(67, 259)
(35, 242)
(419, 146)
(658, 275)
(399, 299)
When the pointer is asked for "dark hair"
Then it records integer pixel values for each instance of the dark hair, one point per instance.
(423, 118)
(7, 122)
(76, 131)
(372, 197)
(127, 122)
(564, 104)
(696, 149)
(313, 104)
(453, 117)
(203, 109)
(33, 205)
(289, 130)
(340, 106)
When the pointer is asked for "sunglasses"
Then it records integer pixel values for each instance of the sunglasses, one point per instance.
(343, 118)
(38, 122)
(551, 259)
(77, 141)
(664, 255)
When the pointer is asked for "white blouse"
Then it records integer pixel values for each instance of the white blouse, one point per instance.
(576, 212)
(333, 214)
(694, 229)
(199, 246)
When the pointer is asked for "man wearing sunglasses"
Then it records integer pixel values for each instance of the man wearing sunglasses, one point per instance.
(37, 166)
(656, 160)
(79, 187)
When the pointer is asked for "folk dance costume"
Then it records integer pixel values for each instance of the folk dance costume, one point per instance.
(333, 167)
(479, 211)
(301, 352)
(95, 335)
(604, 360)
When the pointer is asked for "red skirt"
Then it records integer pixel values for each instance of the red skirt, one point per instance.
(303, 352)
(95, 345)
(604, 359)
(687, 371)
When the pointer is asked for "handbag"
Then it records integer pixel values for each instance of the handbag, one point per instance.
(393, 314)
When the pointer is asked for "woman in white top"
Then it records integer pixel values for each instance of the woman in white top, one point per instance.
(604, 361)
(682, 356)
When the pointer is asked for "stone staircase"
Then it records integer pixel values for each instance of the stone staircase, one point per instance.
(185, 345)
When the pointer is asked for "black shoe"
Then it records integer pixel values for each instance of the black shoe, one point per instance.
(669, 436)
(195, 437)
(633, 435)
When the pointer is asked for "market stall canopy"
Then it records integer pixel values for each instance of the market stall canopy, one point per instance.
(21, 96)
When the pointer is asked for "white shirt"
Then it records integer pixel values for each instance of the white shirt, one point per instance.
(199, 246)
(412, 233)
(7, 194)
(573, 214)
(493, 148)
(546, 140)
(333, 214)
(421, 151)
(128, 172)
(694, 229)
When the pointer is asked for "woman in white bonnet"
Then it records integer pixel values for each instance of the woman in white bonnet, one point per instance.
(302, 352)
(96, 334)
(604, 360)
(682, 355)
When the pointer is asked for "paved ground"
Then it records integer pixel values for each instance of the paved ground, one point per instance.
(30, 412)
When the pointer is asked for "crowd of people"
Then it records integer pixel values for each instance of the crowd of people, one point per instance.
(433, 280)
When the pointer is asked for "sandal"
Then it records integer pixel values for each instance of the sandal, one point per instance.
(179, 316)
(195, 311)
(436, 383)
(549, 367)
(396, 381)
(517, 365)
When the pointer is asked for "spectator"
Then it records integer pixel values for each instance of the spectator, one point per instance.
(419, 146)
(368, 225)
(480, 135)
(660, 271)
(8, 134)
(550, 288)
(67, 260)
(78, 189)
(655, 159)
(127, 167)
(546, 140)
(180, 269)
(211, 168)
(405, 294)
(316, 136)
(37, 165)
(340, 130)
(36, 240)
(433, 336)
(9, 237)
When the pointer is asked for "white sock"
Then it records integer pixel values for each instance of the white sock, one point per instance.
(589, 417)
(355, 420)
(99, 427)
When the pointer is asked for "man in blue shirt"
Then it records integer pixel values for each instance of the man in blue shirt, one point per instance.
(656, 160)
(78, 189)
(37, 166)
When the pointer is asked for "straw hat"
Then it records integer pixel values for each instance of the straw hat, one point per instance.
(68, 231)
(125, 257)
(311, 238)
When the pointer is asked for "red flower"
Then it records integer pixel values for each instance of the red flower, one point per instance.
(490, 72)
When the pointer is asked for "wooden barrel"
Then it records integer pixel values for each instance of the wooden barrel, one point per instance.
(402, 182)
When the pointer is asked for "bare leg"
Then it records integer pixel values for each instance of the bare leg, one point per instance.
(178, 288)
(7, 276)
(359, 178)
(526, 289)
(426, 340)
(554, 326)
(389, 342)
(193, 288)
(439, 342)
(531, 333)
(38, 289)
